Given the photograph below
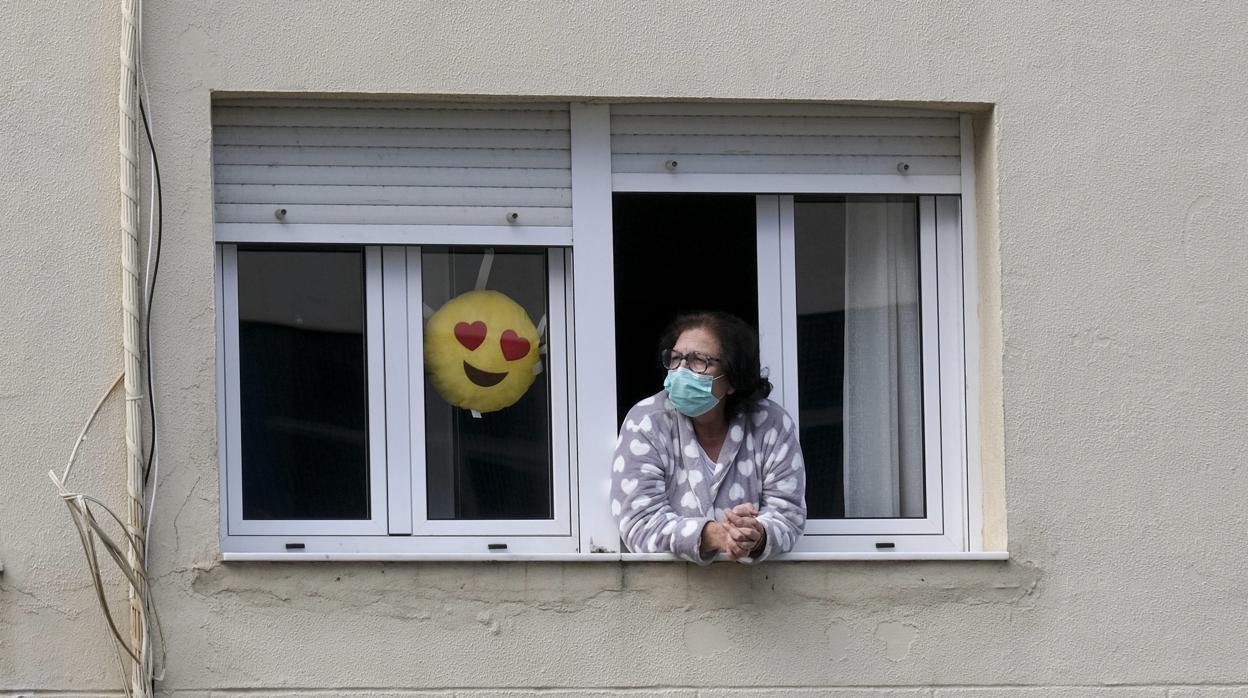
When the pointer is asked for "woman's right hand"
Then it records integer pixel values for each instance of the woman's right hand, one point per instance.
(716, 535)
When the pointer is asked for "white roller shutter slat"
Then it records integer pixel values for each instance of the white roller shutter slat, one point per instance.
(394, 215)
(783, 145)
(767, 110)
(391, 163)
(786, 126)
(402, 196)
(391, 137)
(383, 104)
(382, 176)
(394, 118)
(396, 157)
(782, 139)
(788, 164)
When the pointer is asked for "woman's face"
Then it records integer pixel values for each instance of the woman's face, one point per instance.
(700, 340)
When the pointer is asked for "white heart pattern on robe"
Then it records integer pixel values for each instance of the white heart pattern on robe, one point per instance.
(689, 501)
(689, 528)
(639, 448)
(628, 485)
(736, 493)
(618, 465)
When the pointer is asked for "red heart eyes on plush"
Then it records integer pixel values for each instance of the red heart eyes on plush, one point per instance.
(514, 346)
(470, 336)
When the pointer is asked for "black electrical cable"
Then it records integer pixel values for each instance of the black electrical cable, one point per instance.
(151, 293)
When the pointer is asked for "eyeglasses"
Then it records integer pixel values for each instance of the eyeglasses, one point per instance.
(697, 362)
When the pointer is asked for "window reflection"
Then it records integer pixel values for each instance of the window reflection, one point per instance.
(303, 394)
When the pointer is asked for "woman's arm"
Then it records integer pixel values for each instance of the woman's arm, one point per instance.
(648, 523)
(782, 510)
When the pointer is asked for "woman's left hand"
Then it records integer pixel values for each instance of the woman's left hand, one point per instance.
(744, 528)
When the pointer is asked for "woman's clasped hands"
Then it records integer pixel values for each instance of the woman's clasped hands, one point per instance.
(739, 534)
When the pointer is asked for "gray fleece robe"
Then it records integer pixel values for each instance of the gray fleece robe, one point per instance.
(665, 489)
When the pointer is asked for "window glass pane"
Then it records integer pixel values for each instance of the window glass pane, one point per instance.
(303, 389)
(487, 393)
(859, 356)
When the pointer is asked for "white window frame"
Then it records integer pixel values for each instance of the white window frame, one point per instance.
(235, 524)
(583, 528)
(941, 305)
(396, 392)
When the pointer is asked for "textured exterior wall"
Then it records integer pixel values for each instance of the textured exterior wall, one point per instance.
(1112, 198)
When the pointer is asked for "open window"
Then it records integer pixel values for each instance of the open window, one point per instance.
(432, 315)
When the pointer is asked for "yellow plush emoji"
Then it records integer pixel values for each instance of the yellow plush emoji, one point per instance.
(480, 351)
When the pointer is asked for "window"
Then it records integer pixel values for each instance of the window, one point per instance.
(432, 315)
(869, 339)
(339, 430)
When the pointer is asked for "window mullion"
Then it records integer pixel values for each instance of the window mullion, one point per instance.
(788, 308)
(932, 290)
(398, 363)
(593, 288)
(376, 376)
(415, 388)
(770, 322)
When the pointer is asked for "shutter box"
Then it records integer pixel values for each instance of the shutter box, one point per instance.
(301, 163)
(783, 148)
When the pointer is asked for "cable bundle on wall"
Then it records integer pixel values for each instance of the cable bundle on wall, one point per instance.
(128, 551)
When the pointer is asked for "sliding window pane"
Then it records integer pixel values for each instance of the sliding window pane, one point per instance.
(303, 391)
(859, 356)
(487, 393)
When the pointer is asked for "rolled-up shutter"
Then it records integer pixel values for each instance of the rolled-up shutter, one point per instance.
(391, 163)
(795, 141)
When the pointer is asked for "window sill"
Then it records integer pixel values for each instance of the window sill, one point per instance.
(592, 557)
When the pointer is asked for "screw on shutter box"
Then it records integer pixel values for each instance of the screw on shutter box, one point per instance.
(903, 167)
(671, 165)
(511, 216)
(280, 214)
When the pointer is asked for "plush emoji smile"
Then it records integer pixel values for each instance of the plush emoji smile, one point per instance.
(485, 379)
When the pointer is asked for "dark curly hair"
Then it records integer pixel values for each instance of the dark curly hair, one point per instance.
(738, 345)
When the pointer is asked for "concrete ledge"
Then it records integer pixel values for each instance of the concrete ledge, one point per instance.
(593, 557)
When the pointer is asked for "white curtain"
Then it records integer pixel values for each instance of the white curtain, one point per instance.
(883, 428)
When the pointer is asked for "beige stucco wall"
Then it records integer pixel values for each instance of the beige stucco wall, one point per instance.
(1112, 199)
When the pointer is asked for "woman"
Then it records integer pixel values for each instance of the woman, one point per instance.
(709, 464)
